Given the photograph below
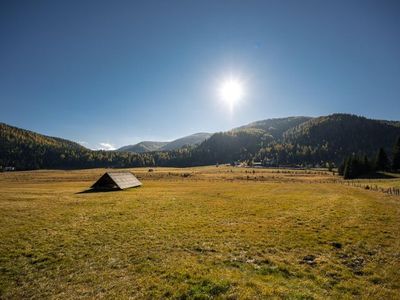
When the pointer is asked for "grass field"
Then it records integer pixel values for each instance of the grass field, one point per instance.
(197, 234)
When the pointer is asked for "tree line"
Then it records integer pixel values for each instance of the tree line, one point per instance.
(317, 142)
(355, 166)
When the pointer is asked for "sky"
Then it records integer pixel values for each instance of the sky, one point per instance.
(112, 73)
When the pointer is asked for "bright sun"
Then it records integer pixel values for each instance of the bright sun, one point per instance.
(231, 91)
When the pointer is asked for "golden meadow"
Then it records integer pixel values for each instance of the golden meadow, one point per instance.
(198, 233)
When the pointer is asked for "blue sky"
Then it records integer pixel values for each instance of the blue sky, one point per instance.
(118, 72)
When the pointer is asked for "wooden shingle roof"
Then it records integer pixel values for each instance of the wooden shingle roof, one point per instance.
(116, 180)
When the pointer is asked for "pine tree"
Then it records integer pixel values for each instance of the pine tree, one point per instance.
(348, 168)
(342, 167)
(382, 161)
(355, 166)
(366, 165)
(396, 156)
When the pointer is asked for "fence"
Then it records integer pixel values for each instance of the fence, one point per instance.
(373, 187)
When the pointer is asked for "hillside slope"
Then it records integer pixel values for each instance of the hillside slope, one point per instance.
(145, 146)
(190, 140)
(149, 146)
(299, 140)
(244, 142)
(26, 149)
(343, 134)
(277, 126)
(226, 147)
(275, 142)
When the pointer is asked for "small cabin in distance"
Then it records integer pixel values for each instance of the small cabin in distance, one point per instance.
(7, 169)
(116, 181)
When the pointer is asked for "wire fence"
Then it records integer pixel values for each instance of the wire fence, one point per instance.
(373, 187)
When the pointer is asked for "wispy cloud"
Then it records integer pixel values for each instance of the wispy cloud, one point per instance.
(106, 146)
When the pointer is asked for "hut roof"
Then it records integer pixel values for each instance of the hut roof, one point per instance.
(116, 180)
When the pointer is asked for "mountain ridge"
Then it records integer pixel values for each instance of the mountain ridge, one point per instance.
(149, 146)
(287, 141)
(144, 146)
(276, 126)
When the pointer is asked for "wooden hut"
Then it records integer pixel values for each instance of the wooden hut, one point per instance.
(116, 181)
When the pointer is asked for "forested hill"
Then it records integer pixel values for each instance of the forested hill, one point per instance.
(339, 135)
(284, 141)
(14, 135)
(299, 141)
(145, 146)
(190, 140)
(276, 127)
(227, 147)
(26, 149)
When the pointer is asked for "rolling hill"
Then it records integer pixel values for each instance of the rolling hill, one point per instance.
(226, 147)
(145, 146)
(26, 149)
(244, 142)
(340, 135)
(190, 140)
(277, 126)
(299, 140)
(283, 141)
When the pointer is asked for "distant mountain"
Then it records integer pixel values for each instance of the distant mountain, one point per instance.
(273, 127)
(224, 147)
(146, 146)
(243, 142)
(190, 140)
(275, 142)
(277, 126)
(299, 140)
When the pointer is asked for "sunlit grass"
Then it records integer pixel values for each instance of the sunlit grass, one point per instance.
(197, 233)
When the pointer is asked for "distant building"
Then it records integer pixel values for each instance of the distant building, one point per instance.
(6, 169)
(116, 181)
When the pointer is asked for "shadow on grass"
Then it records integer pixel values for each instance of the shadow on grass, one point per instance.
(378, 175)
(89, 191)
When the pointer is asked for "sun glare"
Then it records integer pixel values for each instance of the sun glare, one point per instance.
(231, 91)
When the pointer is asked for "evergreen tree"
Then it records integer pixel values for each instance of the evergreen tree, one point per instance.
(396, 156)
(355, 167)
(382, 161)
(342, 167)
(366, 168)
(348, 168)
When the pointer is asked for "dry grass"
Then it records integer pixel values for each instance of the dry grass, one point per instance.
(196, 234)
